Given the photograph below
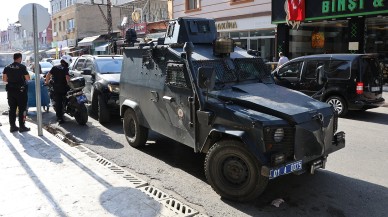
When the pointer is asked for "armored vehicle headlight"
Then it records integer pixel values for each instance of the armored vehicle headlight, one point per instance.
(278, 135)
(114, 88)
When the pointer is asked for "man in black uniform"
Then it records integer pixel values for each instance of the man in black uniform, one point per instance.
(60, 76)
(16, 77)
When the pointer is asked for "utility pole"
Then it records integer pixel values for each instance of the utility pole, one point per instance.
(108, 19)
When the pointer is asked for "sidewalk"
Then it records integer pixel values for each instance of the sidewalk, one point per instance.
(43, 176)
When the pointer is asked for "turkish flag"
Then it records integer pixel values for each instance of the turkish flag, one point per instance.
(296, 10)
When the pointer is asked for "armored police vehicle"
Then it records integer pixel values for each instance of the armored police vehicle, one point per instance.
(205, 93)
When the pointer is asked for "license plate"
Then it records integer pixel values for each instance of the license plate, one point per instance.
(288, 168)
(375, 89)
(81, 99)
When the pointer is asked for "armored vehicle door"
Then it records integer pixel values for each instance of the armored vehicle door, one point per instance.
(178, 98)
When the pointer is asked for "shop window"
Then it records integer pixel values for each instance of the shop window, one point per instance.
(233, 2)
(193, 5)
(239, 34)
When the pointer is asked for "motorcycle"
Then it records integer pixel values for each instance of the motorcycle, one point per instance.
(74, 101)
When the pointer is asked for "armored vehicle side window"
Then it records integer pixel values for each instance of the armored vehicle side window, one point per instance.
(223, 73)
(80, 64)
(291, 70)
(176, 75)
(338, 69)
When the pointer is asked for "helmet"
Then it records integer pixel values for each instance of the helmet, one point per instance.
(66, 58)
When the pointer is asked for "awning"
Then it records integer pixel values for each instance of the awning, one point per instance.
(102, 47)
(65, 48)
(51, 51)
(87, 41)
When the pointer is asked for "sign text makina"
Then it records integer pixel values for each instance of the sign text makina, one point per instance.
(329, 9)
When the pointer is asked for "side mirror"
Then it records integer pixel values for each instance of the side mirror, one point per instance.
(206, 77)
(321, 75)
(86, 71)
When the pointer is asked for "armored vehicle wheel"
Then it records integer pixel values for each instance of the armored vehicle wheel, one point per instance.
(135, 134)
(102, 111)
(339, 105)
(233, 172)
(81, 116)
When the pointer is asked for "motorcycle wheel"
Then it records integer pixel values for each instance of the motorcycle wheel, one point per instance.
(81, 116)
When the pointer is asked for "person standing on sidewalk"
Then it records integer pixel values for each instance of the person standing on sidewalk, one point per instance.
(60, 76)
(16, 77)
(283, 59)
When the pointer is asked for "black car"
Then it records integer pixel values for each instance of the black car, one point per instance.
(102, 76)
(346, 81)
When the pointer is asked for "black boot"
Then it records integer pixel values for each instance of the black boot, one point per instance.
(23, 128)
(14, 128)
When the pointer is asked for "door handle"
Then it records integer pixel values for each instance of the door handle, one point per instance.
(168, 99)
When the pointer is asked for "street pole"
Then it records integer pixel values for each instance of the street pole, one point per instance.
(37, 71)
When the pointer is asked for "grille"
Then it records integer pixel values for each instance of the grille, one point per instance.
(286, 146)
(223, 73)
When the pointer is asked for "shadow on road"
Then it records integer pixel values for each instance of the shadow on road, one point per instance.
(175, 154)
(369, 116)
(323, 194)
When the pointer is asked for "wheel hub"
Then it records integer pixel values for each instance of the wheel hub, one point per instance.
(337, 105)
(235, 170)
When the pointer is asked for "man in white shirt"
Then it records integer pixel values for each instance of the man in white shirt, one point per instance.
(283, 59)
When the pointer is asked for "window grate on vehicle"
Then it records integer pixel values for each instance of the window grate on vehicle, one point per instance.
(175, 75)
(286, 146)
(251, 68)
(223, 73)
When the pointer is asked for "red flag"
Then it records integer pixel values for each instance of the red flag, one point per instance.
(296, 10)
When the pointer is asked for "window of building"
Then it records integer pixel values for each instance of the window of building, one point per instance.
(332, 38)
(64, 25)
(232, 2)
(55, 27)
(70, 24)
(60, 26)
(192, 5)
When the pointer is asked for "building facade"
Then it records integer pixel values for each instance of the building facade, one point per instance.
(248, 22)
(333, 26)
(73, 21)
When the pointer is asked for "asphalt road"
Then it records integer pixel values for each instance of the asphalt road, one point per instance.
(354, 183)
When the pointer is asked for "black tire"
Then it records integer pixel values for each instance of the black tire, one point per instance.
(102, 112)
(135, 134)
(81, 116)
(338, 104)
(233, 172)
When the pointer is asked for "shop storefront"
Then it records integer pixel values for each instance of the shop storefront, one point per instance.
(332, 26)
(255, 33)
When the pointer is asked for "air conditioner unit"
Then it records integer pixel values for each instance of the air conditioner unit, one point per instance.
(55, 34)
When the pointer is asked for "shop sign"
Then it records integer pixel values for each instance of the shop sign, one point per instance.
(331, 9)
(226, 25)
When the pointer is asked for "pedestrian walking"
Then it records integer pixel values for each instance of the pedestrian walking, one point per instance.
(16, 76)
(283, 59)
(60, 76)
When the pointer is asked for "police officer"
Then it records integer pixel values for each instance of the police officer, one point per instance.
(60, 76)
(16, 77)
